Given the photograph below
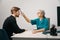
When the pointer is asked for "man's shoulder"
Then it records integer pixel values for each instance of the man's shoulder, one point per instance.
(9, 18)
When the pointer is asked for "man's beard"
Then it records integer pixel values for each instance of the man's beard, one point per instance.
(17, 15)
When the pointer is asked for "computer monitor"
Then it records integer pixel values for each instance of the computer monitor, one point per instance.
(58, 15)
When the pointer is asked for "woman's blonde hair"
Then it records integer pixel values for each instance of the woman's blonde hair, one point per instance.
(43, 13)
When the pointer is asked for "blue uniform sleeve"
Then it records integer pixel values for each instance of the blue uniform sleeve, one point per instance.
(33, 22)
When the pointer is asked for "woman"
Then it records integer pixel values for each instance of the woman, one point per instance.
(41, 22)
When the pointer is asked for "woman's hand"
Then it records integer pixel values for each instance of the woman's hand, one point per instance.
(37, 31)
(34, 31)
(22, 13)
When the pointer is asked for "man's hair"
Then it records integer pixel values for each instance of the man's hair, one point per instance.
(14, 9)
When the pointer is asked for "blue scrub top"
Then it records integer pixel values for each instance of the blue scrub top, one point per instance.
(40, 24)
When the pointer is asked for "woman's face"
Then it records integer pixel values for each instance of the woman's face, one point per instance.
(40, 14)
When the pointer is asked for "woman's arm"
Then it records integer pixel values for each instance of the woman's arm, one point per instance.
(37, 31)
(26, 18)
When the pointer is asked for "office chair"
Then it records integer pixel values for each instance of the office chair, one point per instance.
(48, 23)
(3, 35)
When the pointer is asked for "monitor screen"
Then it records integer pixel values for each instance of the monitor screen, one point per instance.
(58, 16)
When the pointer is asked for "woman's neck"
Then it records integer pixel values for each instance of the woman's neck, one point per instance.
(41, 17)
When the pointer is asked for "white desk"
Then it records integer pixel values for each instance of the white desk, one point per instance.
(27, 35)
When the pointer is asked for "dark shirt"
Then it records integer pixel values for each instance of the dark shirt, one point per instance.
(11, 26)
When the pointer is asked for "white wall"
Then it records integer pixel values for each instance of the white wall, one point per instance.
(1, 14)
(59, 2)
(30, 7)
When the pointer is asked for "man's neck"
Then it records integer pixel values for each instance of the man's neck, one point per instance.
(13, 15)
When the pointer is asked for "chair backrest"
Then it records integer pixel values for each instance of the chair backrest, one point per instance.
(48, 23)
(3, 35)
